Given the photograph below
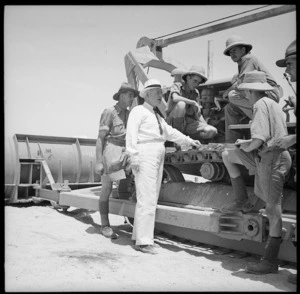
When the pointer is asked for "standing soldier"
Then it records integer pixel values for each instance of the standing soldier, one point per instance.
(111, 159)
(290, 63)
(267, 161)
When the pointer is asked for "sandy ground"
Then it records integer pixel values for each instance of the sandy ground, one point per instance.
(49, 250)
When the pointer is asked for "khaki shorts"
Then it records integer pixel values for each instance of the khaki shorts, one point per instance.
(115, 161)
(270, 170)
(193, 126)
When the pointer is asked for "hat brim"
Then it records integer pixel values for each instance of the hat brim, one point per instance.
(226, 51)
(282, 62)
(195, 73)
(255, 86)
(117, 95)
(143, 92)
(177, 71)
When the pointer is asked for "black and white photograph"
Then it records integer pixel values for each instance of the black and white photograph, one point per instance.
(150, 148)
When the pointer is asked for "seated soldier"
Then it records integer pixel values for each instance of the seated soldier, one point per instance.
(239, 109)
(183, 108)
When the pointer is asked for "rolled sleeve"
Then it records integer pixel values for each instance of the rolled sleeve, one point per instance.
(175, 88)
(106, 120)
(260, 128)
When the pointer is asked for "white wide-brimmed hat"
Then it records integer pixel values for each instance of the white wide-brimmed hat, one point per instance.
(236, 41)
(255, 80)
(196, 70)
(150, 84)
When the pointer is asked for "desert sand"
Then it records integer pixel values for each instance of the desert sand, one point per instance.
(48, 250)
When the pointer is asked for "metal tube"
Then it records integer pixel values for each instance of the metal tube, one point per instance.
(67, 158)
(227, 25)
(210, 56)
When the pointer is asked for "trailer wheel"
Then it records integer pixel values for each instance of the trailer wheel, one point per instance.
(172, 174)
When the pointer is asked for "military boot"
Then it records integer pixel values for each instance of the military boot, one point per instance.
(268, 264)
(241, 202)
(106, 230)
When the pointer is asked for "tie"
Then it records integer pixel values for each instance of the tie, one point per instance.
(156, 115)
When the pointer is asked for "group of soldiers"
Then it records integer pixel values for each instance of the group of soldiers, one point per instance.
(133, 142)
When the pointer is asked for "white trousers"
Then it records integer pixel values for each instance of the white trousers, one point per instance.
(147, 183)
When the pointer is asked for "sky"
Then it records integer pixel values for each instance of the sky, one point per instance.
(63, 64)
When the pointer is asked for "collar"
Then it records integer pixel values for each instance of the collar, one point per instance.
(245, 57)
(119, 109)
(148, 106)
(183, 86)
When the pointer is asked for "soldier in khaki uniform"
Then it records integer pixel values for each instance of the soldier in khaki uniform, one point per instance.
(111, 159)
(290, 63)
(266, 160)
(239, 107)
(183, 108)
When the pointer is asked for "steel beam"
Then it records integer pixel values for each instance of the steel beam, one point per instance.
(226, 25)
(244, 231)
(207, 220)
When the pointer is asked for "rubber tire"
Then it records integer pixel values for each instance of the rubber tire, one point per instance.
(172, 173)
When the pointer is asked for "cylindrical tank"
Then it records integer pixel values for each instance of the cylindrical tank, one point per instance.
(68, 158)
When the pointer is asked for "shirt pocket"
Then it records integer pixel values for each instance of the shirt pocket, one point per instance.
(118, 126)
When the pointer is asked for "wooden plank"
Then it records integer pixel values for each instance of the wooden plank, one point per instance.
(247, 126)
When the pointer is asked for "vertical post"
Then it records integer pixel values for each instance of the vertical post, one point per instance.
(60, 175)
(91, 175)
(210, 55)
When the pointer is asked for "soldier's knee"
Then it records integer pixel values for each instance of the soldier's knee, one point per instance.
(180, 105)
(232, 96)
(225, 155)
(209, 132)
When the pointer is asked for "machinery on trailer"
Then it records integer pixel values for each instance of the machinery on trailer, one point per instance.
(61, 169)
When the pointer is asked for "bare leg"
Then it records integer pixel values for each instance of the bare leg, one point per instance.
(231, 161)
(104, 207)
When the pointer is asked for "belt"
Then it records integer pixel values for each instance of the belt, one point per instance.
(116, 142)
(151, 141)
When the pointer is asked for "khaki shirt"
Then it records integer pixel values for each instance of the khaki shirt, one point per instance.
(191, 110)
(249, 62)
(114, 120)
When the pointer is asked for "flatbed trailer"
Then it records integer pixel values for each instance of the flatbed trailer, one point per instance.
(61, 170)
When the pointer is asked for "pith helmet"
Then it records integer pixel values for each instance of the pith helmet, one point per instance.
(236, 41)
(150, 84)
(125, 87)
(178, 71)
(196, 70)
(290, 52)
(255, 80)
